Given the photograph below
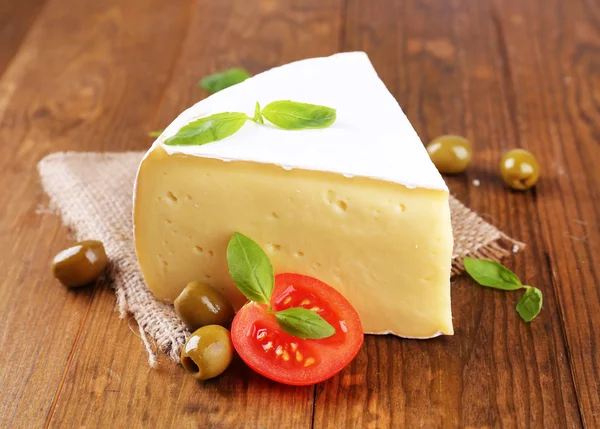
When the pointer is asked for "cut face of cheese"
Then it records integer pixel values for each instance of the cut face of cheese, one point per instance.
(359, 207)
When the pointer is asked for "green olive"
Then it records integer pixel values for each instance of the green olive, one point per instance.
(207, 352)
(200, 305)
(519, 169)
(80, 264)
(450, 154)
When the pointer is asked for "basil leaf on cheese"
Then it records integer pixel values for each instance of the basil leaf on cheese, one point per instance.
(304, 323)
(291, 115)
(207, 130)
(218, 81)
(492, 274)
(530, 304)
(250, 269)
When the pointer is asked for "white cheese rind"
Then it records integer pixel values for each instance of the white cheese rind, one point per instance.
(370, 138)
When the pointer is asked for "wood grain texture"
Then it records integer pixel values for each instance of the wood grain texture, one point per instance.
(511, 73)
(110, 367)
(556, 86)
(496, 371)
(15, 20)
(65, 90)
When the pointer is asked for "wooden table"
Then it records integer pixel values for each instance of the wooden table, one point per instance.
(98, 75)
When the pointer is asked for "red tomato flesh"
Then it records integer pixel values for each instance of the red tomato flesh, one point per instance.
(270, 351)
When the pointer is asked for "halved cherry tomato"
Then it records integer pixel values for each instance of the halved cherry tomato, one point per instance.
(270, 351)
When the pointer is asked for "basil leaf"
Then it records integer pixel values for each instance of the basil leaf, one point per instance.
(218, 81)
(530, 303)
(304, 323)
(155, 133)
(250, 268)
(291, 115)
(207, 130)
(257, 115)
(492, 274)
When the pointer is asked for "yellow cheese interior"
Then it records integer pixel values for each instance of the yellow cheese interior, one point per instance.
(385, 247)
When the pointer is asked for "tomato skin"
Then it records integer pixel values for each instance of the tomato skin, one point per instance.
(271, 352)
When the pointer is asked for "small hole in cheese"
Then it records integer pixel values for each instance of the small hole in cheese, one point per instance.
(401, 207)
(207, 276)
(211, 253)
(341, 205)
(275, 215)
(171, 197)
(188, 197)
(198, 249)
(273, 247)
(299, 254)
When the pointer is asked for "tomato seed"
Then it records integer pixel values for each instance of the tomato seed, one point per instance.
(309, 362)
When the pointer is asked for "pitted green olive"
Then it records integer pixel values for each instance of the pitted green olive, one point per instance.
(207, 352)
(80, 264)
(200, 305)
(450, 154)
(519, 169)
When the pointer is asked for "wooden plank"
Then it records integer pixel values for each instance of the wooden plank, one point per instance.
(15, 20)
(69, 87)
(443, 62)
(109, 384)
(556, 87)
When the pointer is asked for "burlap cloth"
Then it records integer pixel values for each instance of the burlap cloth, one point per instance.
(92, 192)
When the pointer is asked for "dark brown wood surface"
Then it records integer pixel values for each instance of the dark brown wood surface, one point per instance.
(98, 75)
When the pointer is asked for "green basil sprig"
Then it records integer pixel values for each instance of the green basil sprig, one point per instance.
(257, 115)
(219, 81)
(285, 114)
(492, 274)
(252, 273)
(495, 275)
(530, 303)
(209, 129)
(291, 115)
(304, 323)
(250, 269)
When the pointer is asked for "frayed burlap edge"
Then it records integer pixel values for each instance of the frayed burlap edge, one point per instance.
(92, 193)
(475, 238)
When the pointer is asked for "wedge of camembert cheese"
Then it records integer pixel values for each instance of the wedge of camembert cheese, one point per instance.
(358, 205)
